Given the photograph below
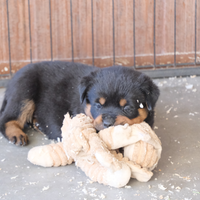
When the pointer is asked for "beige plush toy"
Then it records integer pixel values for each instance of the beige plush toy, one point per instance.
(96, 153)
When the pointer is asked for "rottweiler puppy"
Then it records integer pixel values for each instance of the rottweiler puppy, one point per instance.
(41, 94)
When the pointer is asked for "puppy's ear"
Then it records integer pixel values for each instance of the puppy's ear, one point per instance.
(150, 91)
(84, 86)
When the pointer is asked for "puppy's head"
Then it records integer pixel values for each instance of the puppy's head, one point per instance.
(117, 95)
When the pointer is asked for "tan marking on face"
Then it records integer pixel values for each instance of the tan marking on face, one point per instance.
(98, 123)
(88, 110)
(102, 101)
(122, 102)
(121, 120)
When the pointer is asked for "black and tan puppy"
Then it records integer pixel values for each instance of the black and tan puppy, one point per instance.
(43, 93)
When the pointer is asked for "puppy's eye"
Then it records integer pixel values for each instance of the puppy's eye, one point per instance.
(127, 109)
(98, 105)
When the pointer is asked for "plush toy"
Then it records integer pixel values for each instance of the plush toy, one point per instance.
(97, 154)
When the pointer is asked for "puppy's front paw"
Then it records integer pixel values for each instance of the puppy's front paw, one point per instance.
(14, 133)
(17, 137)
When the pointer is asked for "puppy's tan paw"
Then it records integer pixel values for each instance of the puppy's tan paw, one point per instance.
(15, 135)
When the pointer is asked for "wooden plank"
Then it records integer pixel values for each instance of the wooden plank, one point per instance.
(103, 33)
(124, 32)
(185, 30)
(4, 52)
(165, 32)
(19, 34)
(144, 32)
(19, 38)
(198, 31)
(40, 30)
(61, 30)
(82, 30)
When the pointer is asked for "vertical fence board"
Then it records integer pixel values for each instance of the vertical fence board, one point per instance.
(40, 30)
(124, 32)
(144, 32)
(103, 33)
(198, 31)
(19, 34)
(82, 31)
(165, 32)
(4, 52)
(61, 30)
(185, 31)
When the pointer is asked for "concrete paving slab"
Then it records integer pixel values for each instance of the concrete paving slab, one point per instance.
(177, 176)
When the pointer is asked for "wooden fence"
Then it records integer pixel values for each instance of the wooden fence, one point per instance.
(101, 32)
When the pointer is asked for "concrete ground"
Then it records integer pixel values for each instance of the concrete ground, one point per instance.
(177, 176)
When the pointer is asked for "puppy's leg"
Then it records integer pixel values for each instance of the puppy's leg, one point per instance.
(14, 115)
(49, 125)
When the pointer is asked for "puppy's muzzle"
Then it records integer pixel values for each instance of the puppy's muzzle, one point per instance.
(108, 121)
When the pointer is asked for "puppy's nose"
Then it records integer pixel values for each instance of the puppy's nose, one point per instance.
(108, 121)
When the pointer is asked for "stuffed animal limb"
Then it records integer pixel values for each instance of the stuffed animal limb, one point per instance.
(137, 172)
(89, 151)
(141, 145)
(97, 172)
(52, 155)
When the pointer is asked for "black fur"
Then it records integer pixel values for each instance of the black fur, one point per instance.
(115, 83)
(60, 87)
